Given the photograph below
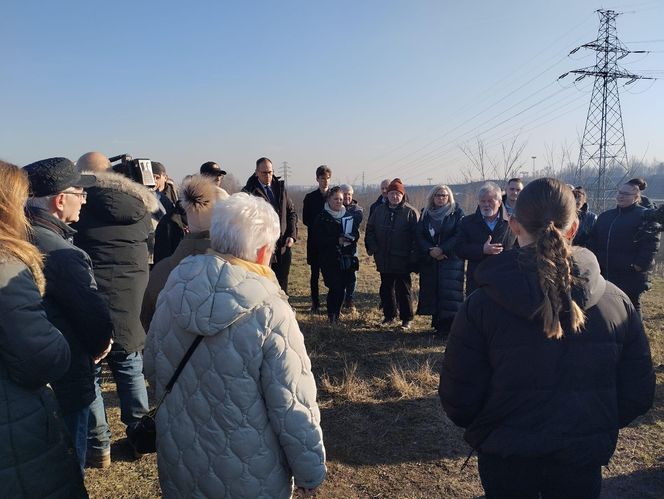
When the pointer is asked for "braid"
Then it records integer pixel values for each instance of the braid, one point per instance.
(554, 270)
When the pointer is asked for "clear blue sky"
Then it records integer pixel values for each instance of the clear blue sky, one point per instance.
(384, 87)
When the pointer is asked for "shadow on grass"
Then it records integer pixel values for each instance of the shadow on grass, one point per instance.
(645, 483)
(401, 431)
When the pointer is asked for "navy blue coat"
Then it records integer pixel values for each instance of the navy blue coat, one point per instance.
(621, 239)
(473, 234)
(441, 281)
(520, 394)
(74, 306)
(36, 455)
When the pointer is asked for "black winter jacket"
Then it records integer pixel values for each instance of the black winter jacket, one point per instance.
(587, 220)
(313, 204)
(325, 234)
(36, 455)
(390, 238)
(74, 306)
(284, 208)
(519, 394)
(441, 281)
(473, 233)
(113, 229)
(381, 200)
(620, 239)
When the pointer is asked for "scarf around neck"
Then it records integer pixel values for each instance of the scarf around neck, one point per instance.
(337, 215)
(256, 268)
(438, 214)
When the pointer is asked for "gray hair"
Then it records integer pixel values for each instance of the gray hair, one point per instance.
(242, 224)
(490, 188)
(43, 202)
(429, 201)
(346, 188)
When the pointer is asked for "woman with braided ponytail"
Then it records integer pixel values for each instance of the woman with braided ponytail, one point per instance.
(546, 360)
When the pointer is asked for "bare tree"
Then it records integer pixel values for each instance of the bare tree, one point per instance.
(558, 162)
(479, 164)
(509, 165)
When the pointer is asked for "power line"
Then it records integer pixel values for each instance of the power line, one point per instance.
(603, 145)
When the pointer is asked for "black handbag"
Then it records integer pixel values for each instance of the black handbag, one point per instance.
(349, 262)
(143, 435)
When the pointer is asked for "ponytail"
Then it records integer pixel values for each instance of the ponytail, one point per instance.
(554, 269)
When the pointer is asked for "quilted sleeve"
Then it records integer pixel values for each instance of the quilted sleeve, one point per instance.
(289, 389)
(32, 350)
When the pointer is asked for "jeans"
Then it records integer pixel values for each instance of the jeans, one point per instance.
(127, 372)
(535, 478)
(77, 425)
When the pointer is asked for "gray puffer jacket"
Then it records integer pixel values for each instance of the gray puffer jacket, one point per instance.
(36, 456)
(242, 418)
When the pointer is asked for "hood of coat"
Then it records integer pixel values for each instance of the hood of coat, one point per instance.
(205, 294)
(511, 280)
(118, 182)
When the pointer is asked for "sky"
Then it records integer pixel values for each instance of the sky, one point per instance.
(372, 88)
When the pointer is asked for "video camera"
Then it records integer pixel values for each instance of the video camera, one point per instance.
(139, 170)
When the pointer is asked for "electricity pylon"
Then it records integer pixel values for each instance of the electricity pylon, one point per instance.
(603, 152)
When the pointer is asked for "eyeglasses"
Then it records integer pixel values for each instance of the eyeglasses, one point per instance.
(441, 195)
(83, 194)
(623, 193)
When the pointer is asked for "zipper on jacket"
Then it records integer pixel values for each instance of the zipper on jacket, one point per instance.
(608, 242)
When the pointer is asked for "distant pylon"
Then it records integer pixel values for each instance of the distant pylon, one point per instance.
(285, 171)
(603, 153)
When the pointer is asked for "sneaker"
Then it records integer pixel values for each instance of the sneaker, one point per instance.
(387, 322)
(349, 306)
(405, 325)
(98, 459)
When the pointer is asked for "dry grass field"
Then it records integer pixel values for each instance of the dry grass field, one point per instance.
(385, 432)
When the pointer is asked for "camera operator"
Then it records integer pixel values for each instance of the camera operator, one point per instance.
(114, 230)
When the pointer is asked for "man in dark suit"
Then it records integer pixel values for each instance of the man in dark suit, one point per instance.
(265, 184)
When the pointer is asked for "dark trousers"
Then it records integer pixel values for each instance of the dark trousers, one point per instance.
(396, 289)
(313, 285)
(281, 267)
(535, 478)
(350, 287)
(336, 281)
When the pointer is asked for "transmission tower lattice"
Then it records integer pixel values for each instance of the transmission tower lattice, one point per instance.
(603, 155)
(285, 171)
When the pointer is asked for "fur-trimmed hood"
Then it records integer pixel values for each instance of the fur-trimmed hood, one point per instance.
(118, 182)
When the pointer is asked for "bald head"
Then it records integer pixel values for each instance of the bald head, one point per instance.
(93, 162)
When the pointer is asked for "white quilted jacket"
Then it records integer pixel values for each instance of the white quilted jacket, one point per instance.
(242, 418)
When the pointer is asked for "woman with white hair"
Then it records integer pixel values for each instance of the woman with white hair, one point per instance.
(441, 270)
(242, 418)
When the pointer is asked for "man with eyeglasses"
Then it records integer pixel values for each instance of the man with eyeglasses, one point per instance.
(72, 302)
(263, 183)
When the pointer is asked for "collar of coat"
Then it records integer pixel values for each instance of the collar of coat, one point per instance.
(256, 268)
(118, 182)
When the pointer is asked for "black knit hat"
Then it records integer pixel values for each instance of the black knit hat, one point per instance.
(53, 175)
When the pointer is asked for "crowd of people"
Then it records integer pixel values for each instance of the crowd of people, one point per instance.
(546, 357)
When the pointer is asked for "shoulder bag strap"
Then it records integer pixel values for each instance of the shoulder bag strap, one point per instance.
(177, 372)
